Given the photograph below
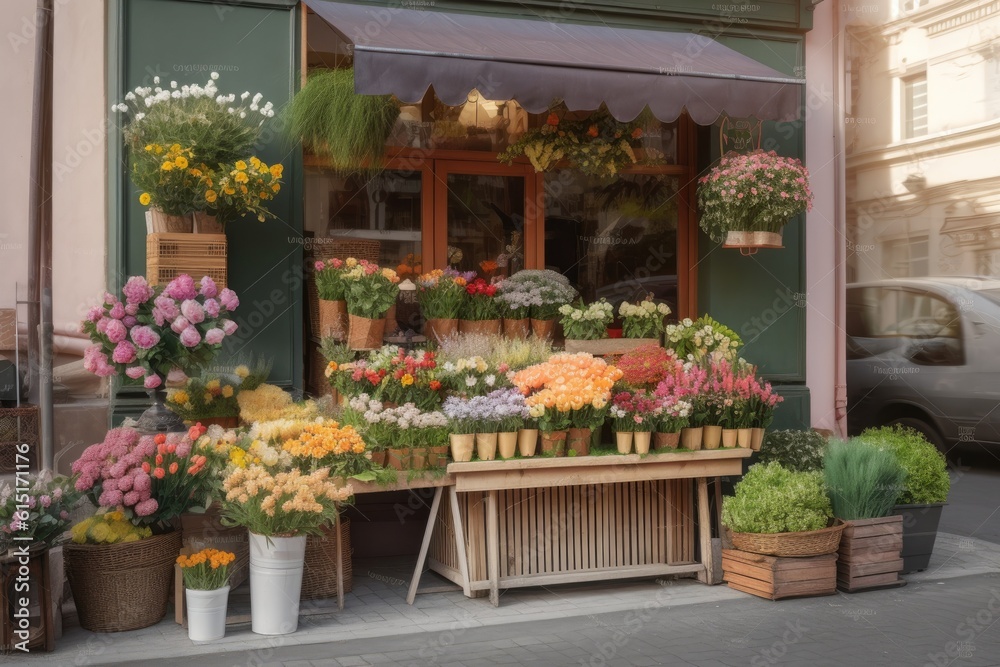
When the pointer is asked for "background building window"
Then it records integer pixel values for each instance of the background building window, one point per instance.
(915, 106)
(906, 258)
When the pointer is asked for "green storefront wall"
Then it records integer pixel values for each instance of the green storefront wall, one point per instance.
(255, 46)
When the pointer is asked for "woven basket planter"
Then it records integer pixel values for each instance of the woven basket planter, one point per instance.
(319, 574)
(120, 587)
(804, 543)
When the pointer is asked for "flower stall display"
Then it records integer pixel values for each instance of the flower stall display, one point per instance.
(473, 421)
(688, 382)
(598, 145)
(645, 319)
(634, 415)
(190, 148)
(586, 322)
(146, 481)
(155, 330)
(44, 513)
(206, 591)
(544, 292)
(693, 340)
(331, 289)
(516, 301)
(480, 312)
(279, 507)
(402, 377)
(473, 376)
(370, 292)
(441, 294)
(746, 199)
(213, 398)
(401, 434)
(673, 418)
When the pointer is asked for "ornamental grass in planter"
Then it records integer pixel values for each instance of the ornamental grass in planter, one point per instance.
(863, 483)
(924, 490)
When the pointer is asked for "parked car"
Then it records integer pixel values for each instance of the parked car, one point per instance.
(925, 353)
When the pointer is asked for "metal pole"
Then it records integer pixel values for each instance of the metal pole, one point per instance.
(40, 231)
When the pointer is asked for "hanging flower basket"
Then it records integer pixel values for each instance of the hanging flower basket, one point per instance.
(750, 242)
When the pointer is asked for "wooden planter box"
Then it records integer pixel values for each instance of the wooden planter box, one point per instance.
(608, 346)
(869, 554)
(776, 578)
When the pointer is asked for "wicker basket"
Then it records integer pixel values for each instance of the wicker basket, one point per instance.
(805, 543)
(319, 573)
(170, 255)
(120, 587)
(326, 247)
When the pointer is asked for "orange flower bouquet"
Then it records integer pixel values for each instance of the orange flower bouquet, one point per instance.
(327, 444)
(568, 390)
(207, 570)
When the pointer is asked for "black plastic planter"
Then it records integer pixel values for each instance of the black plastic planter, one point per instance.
(920, 526)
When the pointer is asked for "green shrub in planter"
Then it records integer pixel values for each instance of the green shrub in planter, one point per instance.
(773, 499)
(926, 478)
(862, 481)
(801, 451)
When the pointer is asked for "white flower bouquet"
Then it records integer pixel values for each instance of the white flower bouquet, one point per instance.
(644, 319)
(587, 322)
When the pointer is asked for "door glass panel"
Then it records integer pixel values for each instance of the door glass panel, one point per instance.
(383, 212)
(486, 223)
(614, 240)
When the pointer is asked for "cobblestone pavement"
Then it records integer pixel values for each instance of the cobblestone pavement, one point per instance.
(945, 616)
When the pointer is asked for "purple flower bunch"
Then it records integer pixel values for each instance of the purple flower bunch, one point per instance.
(509, 407)
(152, 331)
(493, 412)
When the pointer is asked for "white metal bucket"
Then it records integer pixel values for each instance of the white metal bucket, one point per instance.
(275, 583)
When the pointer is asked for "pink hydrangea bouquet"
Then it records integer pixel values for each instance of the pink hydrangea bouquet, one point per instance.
(154, 330)
(152, 478)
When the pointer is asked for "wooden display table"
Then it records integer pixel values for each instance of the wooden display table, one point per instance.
(573, 519)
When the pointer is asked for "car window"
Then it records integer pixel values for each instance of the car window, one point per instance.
(921, 315)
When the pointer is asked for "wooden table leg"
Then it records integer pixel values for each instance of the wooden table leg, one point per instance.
(460, 547)
(340, 564)
(422, 557)
(493, 547)
(705, 532)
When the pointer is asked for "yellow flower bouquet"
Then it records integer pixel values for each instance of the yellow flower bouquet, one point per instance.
(108, 528)
(282, 504)
(329, 445)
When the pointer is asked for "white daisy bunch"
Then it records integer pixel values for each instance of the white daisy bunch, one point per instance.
(587, 322)
(644, 319)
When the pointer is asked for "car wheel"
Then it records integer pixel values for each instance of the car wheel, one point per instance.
(925, 430)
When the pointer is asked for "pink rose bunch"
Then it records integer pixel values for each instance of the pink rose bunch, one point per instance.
(154, 330)
(152, 477)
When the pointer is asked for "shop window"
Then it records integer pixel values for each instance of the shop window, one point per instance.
(915, 106)
(614, 240)
(485, 218)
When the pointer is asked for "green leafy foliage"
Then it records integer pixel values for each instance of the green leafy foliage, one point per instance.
(773, 499)
(801, 451)
(863, 481)
(926, 469)
(349, 130)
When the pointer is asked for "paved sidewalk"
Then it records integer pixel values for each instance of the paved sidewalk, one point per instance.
(377, 609)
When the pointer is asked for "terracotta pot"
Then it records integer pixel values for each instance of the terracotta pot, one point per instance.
(665, 441)
(486, 327)
(439, 329)
(391, 325)
(364, 333)
(711, 437)
(333, 321)
(517, 329)
(486, 446)
(461, 446)
(578, 440)
(418, 458)
(743, 438)
(398, 458)
(342, 399)
(507, 444)
(624, 441)
(527, 441)
(756, 438)
(691, 438)
(437, 456)
(224, 422)
(544, 329)
(642, 439)
(554, 443)
(378, 457)
(729, 437)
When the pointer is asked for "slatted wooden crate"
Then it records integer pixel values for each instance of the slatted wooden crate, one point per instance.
(869, 554)
(776, 578)
(40, 621)
(572, 533)
(608, 346)
(170, 255)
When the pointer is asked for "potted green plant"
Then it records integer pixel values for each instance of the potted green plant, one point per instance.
(347, 129)
(924, 491)
(370, 291)
(747, 198)
(801, 451)
(863, 483)
(780, 512)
